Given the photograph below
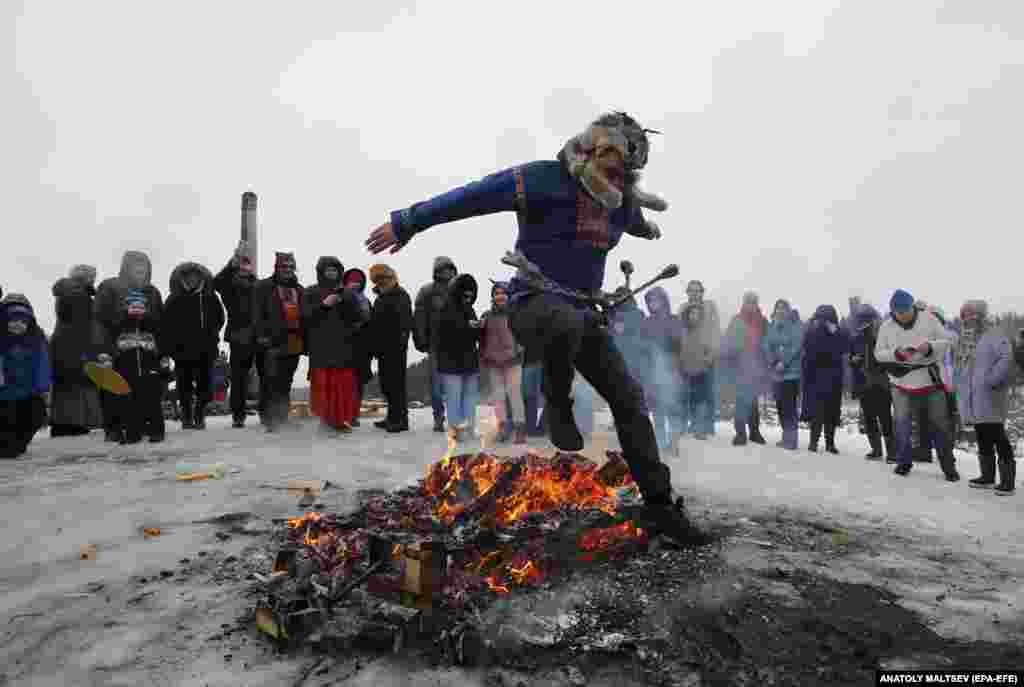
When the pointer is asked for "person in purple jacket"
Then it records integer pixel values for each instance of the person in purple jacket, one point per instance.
(571, 212)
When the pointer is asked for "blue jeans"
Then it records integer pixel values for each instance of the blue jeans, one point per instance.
(697, 395)
(436, 391)
(532, 375)
(933, 404)
(462, 395)
(583, 407)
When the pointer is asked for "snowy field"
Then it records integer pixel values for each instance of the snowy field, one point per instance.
(953, 554)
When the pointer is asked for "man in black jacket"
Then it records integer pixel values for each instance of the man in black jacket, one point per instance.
(193, 318)
(390, 326)
(235, 284)
(429, 302)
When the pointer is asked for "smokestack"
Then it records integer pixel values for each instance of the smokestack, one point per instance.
(250, 230)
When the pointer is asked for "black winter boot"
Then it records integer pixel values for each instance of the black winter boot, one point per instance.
(186, 416)
(438, 424)
(200, 416)
(987, 480)
(741, 437)
(565, 435)
(830, 440)
(876, 447)
(1007, 476)
(948, 464)
(815, 436)
(755, 436)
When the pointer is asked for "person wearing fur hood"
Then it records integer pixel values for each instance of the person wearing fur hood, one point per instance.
(391, 324)
(135, 277)
(571, 212)
(24, 375)
(984, 358)
(77, 338)
(193, 318)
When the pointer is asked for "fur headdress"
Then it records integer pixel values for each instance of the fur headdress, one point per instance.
(623, 133)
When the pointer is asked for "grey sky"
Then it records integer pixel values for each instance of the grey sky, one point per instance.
(811, 149)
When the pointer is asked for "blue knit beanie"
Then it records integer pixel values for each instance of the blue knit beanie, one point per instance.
(901, 301)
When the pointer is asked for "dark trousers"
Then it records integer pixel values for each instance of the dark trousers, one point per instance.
(786, 393)
(19, 421)
(876, 410)
(192, 377)
(826, 415)
(278, 389)
(698, 392)
(992, 440)
(110, 407)
(575, 338)
(141, 411)
(391, 371)
(243, 357)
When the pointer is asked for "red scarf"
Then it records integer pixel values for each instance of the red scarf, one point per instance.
(754, 321)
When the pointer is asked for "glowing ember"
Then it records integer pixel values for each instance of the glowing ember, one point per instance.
(544, 485)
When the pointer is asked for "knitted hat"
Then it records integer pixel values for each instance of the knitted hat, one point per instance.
(284, 260)
(135, 297)
(901, 301)
(974, 308)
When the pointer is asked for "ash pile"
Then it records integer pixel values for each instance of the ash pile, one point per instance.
(421, 569)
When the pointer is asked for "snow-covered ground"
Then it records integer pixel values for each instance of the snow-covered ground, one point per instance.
(75, 491)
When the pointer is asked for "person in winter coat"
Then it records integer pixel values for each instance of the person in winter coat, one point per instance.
(571, 212)
(77, 338)
(354, 281)
(330, 315)
(390, 327)
(782, 346)
(190, 335)
(430, 302)
(713, 326)
(24, 375)
(826, 346)
(741, 349)
(235, 284)
(665, 390)
(871, 383)
(278, 330)
(984, 358)
(136, 273)
(911, 345)
(137, 358)
(458, 357)
(696, 364)
(501, 359)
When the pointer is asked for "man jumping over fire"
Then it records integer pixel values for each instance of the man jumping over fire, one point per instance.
(571, 212)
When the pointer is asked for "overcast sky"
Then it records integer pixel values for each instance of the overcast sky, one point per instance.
(811, 150)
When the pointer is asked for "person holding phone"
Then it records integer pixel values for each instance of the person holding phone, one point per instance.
(911, 344)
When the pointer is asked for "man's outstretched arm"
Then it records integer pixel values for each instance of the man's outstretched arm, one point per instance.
(493, 193)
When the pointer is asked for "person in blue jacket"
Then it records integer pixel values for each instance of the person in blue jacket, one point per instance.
(571, 212)
(782, 346)
(24, 375)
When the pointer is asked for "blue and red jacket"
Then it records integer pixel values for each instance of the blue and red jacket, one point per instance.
(562, 230)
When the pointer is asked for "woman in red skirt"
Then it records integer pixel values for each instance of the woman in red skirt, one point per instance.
(332, 316)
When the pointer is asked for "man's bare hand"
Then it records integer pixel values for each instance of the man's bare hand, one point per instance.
(331, 300)
(383, 239)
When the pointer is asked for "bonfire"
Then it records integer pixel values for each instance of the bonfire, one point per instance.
(475, 527)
